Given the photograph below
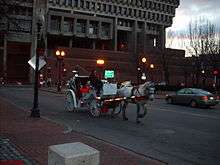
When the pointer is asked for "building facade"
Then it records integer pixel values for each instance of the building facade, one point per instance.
(119, 31)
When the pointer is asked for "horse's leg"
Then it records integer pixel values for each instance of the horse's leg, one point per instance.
(124, 106)
(138, 113)
(113, 112)
(144, 107)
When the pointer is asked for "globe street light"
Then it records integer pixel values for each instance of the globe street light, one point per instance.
(100, 63)
(151, 69)
(144, 60)
(35, 112)
(60, 54)
(152, 66)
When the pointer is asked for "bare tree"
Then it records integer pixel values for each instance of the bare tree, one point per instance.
(203, 45)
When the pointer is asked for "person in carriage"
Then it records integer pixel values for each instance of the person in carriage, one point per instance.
(96, 82)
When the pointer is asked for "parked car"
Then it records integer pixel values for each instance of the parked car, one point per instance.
(193, 97)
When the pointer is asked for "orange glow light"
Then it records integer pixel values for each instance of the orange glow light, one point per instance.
(151, 66)
(144, 60)
(100, 62)
(63, 53)
(57, 53)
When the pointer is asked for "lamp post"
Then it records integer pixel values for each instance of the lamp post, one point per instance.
(144, 75)
(151, 68)
(35, 112)
(100, 63)
(60, 56)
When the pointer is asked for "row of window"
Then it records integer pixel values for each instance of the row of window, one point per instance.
(141, 3)
(20, 25)
(20, 10)
(116, 9)
(81, 26)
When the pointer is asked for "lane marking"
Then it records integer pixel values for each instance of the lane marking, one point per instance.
(188, 113)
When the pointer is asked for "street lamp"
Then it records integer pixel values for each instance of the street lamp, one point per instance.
(144, 60)
(100, 63)
(60, 54)
(152, 66)
(35, 112)
(151, 69)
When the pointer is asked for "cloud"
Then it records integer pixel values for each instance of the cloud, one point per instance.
(191, 10)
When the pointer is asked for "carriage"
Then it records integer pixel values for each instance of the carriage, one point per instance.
(81, 95)
(112, 100)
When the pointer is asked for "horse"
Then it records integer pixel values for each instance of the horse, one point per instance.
(138, 95)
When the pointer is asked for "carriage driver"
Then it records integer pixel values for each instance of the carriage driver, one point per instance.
(95, 81)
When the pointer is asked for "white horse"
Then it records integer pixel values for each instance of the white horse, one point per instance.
(138, 95)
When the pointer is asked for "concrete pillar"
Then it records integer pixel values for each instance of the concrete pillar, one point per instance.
(5, 55)
(70, 43)
(61, 24)
(144, 36)
(116, 34)
(78, 4)
(100, 29)
(93, 44)
(161, 39)
(87, 27)
(135, 37)
(73, 154)
(74, 26)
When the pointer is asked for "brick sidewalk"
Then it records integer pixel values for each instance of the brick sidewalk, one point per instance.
(32, 136)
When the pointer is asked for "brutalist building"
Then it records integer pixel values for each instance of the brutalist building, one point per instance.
(120, 32)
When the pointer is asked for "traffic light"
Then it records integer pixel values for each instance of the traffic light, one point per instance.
(215, 72)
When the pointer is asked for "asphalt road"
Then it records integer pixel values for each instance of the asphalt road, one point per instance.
(171, 133)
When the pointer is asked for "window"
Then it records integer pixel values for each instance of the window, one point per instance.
(55, 23)
(105, 32)
(67, 25)
(20, 25)
(82, 4)
(87, 5)
(93, 27)
(81, 26)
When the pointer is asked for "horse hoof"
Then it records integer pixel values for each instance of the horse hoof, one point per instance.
(125, 119)
(138, 122)
(112, 116)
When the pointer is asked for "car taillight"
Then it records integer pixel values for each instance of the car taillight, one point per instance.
(217, 97)
(205, 98)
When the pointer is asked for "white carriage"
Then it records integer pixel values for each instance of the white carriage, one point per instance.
(80, 95)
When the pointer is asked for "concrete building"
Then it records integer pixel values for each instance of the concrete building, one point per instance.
(119, 31)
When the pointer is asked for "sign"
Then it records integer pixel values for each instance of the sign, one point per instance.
(109, 74)
(32, 62)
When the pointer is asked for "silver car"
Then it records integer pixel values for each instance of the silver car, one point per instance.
(193, 97)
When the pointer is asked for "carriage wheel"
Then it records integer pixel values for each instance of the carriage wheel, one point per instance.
(94, 109)
(69, 102)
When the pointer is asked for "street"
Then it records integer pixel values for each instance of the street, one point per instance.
(170, 133)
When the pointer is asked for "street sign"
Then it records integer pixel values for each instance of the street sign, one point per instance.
(32, 62)
(109, 74)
